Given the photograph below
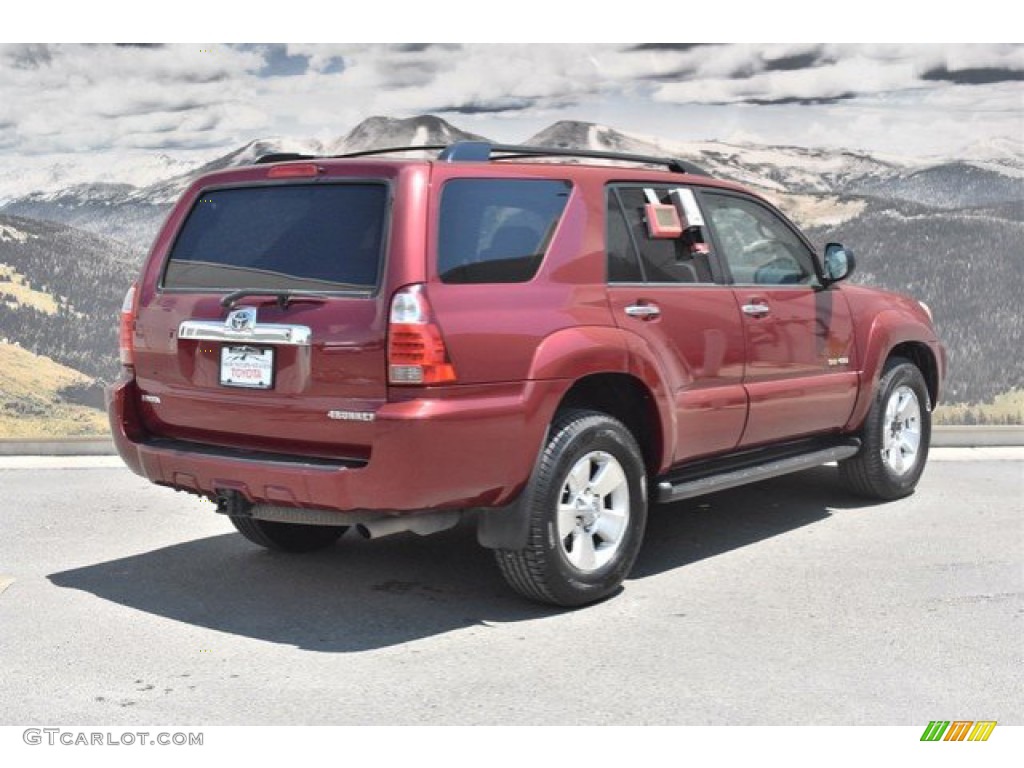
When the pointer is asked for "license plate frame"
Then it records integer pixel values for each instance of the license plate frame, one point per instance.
(247, 367)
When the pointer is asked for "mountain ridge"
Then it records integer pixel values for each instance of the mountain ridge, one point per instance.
(132, 214)
(917, 225)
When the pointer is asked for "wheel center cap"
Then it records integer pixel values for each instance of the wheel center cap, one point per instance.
(588, 510)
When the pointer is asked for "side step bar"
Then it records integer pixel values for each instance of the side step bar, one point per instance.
(669, 491)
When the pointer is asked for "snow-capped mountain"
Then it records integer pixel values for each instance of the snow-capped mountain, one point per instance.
(990, 173)
(21, 176)
(1004, 154)
(915, 224)
(574, 134)
(379, 132)
(133, 213)
(167, 190)
(782, 169)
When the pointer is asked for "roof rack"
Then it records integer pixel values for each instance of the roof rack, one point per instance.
(282, 157)
(483, 151)
(392, 150)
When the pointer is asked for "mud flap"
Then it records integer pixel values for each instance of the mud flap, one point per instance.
(508, 527)
(505, 527)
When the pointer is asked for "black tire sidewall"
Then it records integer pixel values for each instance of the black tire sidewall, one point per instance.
(287, 537)
(901, 373)
(593, 433)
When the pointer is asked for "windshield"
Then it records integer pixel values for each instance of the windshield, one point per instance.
(321, 237)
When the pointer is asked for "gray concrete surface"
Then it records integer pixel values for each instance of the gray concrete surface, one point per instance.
(57, 446)
(787, 602)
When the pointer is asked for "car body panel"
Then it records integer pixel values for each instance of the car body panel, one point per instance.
(698, 337)
(801, 362)
(716, 379)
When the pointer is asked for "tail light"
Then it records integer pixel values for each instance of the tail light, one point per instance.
(416, 350)
(127, 340)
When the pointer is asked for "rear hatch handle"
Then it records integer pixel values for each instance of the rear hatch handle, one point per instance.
(264, 333)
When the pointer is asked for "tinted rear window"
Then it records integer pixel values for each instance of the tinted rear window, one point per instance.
(497, 230)
(326, 237)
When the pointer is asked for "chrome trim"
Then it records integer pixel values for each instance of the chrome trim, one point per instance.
(756, 310)
(241, 320)
(264, 333)
(643, 310)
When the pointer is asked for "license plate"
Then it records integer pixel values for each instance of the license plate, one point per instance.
(248, 367)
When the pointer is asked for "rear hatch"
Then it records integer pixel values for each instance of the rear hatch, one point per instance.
(262, 317)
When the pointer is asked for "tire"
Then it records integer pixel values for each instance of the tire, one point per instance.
(587, 507)
(287, 537)
(896, 435)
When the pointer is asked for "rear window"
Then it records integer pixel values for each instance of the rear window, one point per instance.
(325, 237)
(497, 230)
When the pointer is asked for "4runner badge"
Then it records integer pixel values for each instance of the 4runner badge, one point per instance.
(242, 320)
(351, 415)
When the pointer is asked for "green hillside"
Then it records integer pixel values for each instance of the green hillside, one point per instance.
(31, 399)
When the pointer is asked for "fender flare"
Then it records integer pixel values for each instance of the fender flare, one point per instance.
(888, 330)
(572, 354)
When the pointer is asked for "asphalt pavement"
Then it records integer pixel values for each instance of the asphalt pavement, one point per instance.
(787, 602)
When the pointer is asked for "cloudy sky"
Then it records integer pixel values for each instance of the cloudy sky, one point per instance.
(905, 99)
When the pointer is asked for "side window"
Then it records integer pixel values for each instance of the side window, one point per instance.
(623, 265)
(662, 260)
(759, 247)
(497, 230)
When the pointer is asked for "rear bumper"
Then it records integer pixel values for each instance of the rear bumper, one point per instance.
(467, 451)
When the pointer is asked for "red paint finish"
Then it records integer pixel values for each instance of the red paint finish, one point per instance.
(698, 339)
(801, 361)
(715, 378)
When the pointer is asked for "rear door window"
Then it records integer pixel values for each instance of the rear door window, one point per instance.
(324, 237)
(497, 230)
(670, 261)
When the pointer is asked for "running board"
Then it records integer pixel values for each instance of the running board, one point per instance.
(685, 489)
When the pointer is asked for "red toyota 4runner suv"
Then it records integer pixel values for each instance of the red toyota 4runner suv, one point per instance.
(394, 344)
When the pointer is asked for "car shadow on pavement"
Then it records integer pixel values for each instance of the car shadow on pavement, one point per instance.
(362, 595)
(691, 530)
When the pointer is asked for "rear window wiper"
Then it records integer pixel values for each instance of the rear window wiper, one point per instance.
(284, 298)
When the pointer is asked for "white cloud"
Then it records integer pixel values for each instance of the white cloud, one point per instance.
(68, 97)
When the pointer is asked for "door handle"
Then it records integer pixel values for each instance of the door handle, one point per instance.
(643, 311)
(756, 310)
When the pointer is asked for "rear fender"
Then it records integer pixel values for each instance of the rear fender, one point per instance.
(574, 353)
(570, 355)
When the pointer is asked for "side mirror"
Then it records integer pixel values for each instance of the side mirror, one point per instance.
(839, 262)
